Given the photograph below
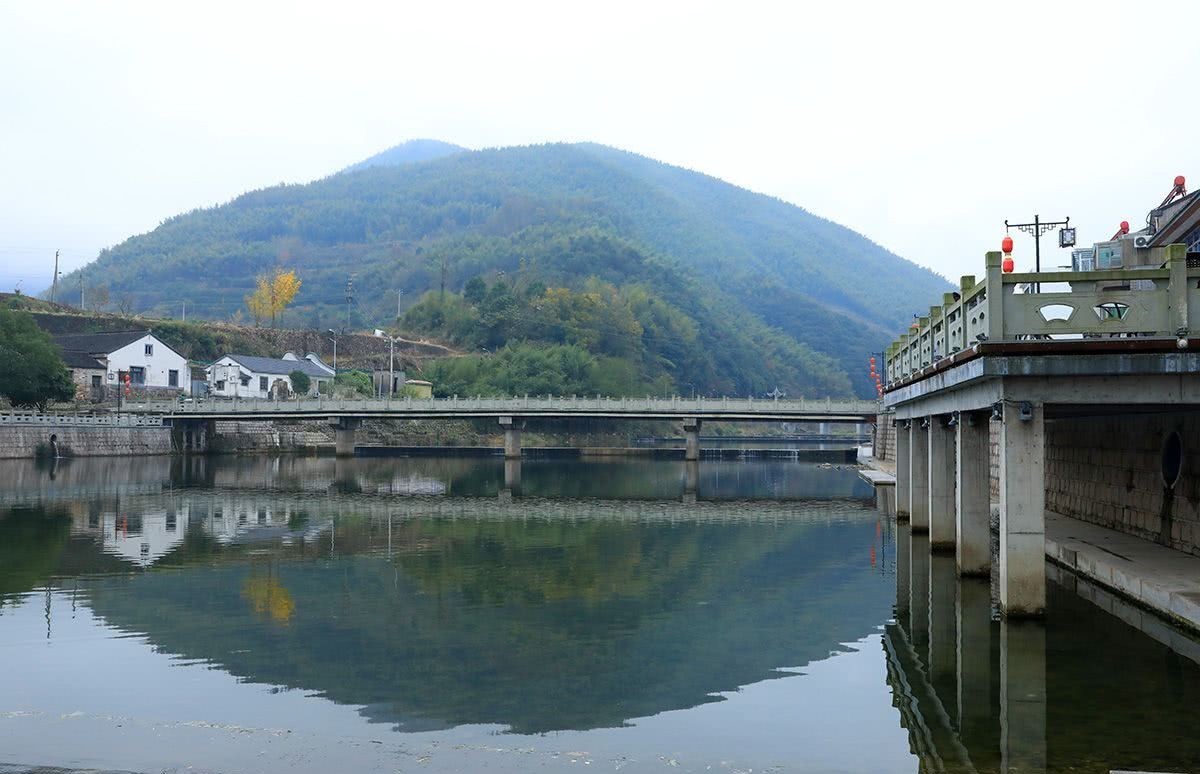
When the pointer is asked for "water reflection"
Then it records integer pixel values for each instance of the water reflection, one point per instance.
(409, 590)
(1082, 691)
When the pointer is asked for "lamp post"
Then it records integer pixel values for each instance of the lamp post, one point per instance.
(333, 338)
(391, 360)
(1066, 237)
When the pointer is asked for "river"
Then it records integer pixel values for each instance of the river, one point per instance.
(292, 614)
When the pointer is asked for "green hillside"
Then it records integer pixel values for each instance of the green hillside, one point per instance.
(660, 278)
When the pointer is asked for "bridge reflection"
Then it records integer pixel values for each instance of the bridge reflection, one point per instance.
(970, 687)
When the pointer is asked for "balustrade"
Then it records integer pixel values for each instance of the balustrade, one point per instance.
(1144, 303)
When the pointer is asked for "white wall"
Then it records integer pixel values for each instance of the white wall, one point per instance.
(226, 367)
(158, 364)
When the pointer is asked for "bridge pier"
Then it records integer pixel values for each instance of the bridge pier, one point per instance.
(918, 475)
(972, 494)
(512, 437)
(941, 484)
(691, 431)
(512, 476)
(344, 435)
(1022, 509)
(903, 461)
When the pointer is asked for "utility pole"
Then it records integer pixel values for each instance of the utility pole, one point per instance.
(54, 282)
(399, 295)
(183, 316)
(349, 300)
(82, 308)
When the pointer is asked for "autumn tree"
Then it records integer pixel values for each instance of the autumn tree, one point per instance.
(272, 294)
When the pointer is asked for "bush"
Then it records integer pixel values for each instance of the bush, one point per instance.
(355, 381)
(300, 382)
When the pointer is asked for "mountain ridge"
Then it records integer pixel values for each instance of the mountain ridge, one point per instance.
(750, 271)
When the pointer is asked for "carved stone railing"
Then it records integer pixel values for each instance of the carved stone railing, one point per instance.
(1145, 303)
(33, 419)
(525, 406)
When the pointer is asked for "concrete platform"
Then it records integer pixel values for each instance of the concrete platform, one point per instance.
(1161, 579)
(876, 477)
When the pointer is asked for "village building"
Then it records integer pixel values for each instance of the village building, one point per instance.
(151, 365)
(250, 376)
(87, 373)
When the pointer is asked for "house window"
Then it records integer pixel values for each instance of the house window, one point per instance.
(137, 375)
(262, 383)
(221, 385)
(149, 350)
(96, 382)
(172, 378)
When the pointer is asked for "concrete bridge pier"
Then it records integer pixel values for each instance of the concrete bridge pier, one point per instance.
(512, 437)
(691, 432)
(941, 484)
(691, 481)
(918, 475)
(344, 435)
(972, 494)
(512, 476)
(1022, 509)
(903, 485)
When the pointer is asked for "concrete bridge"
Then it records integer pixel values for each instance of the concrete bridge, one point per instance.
(511, 413)
(1086, 394)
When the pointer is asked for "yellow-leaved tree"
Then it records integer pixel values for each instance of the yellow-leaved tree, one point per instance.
(272, 294)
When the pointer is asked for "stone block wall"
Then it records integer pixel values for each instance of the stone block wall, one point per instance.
(34, 440)
(271, 436)
(884, 443)
(1108, 471)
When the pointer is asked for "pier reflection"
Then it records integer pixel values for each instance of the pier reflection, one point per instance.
(971, 688)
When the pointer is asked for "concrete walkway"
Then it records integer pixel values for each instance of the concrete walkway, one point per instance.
(1159, 578)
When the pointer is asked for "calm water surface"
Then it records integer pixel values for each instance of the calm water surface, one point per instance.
(294, 614)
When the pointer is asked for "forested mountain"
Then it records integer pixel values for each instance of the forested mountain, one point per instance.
(596, 261)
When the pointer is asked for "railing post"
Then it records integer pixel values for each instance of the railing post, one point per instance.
(994, 303)
(1177, 291)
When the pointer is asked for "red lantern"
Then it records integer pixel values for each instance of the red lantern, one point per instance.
(1180, 181)
(872, 361)
(1006, 244)
(1007, 264)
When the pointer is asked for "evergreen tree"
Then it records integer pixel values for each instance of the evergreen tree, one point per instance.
(32, 372)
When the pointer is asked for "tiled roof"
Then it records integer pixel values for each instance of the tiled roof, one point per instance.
(271, 365)
(75, 359)
(98, 343)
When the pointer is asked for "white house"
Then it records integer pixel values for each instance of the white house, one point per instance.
(150, 364)
(248, 376)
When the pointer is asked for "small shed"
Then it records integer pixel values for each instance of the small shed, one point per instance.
(418, 388)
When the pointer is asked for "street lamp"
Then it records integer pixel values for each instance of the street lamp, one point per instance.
(391, 360)
(1066, 237)
(333, 338)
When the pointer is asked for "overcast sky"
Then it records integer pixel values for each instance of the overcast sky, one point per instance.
(922, 126)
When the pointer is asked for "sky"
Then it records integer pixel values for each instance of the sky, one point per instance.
(921, 125)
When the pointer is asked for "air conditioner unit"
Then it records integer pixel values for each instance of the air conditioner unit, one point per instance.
(1142, 241)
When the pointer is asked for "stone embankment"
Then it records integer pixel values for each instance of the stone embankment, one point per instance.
(97, 441)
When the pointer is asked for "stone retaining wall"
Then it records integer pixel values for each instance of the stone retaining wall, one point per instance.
(34, 440)
(1108, 471)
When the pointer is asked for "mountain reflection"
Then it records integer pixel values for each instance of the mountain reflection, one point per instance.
(430, 607)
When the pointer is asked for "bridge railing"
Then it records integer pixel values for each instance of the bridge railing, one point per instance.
(1144, 303)
(515, 406)
(34, 419)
